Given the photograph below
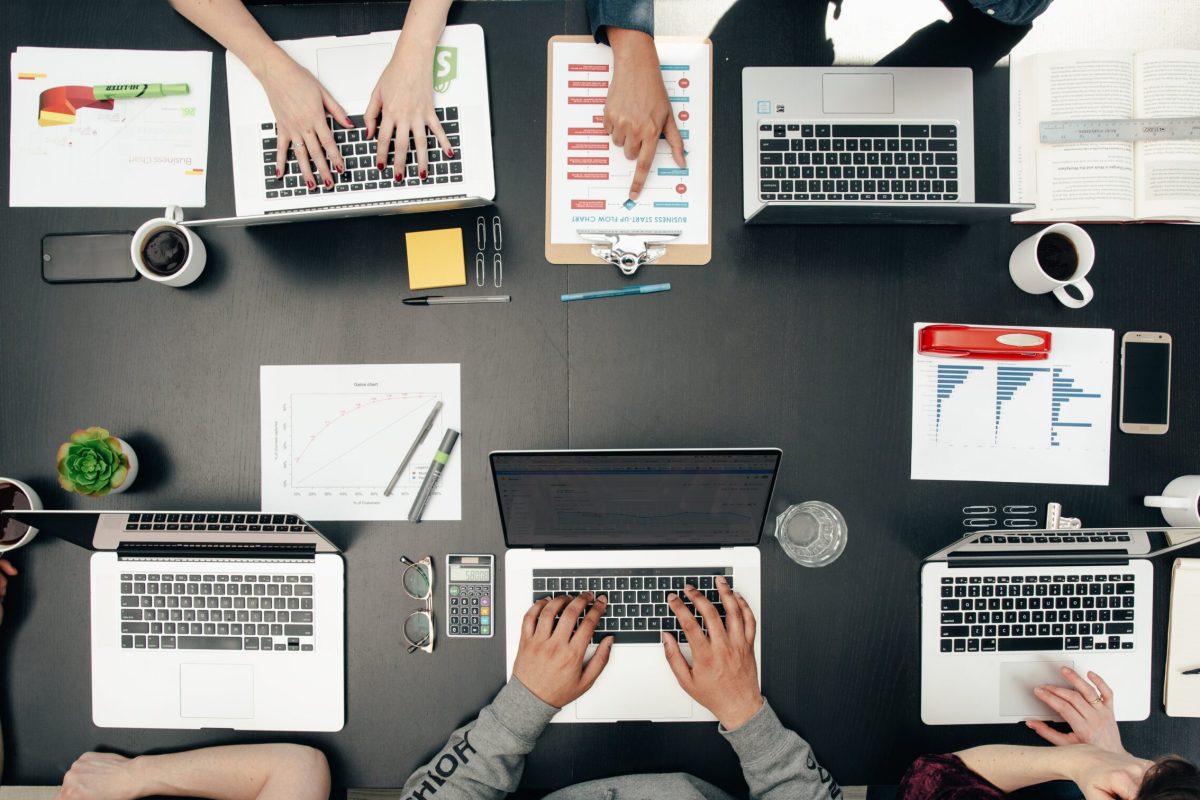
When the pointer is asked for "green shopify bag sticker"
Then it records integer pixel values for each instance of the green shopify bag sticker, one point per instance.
(445, 68)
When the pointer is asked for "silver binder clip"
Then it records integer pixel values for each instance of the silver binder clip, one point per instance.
(628, 251)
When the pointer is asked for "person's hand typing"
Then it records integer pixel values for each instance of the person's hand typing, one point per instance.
(100, 776)
(402, 103)
(1087, 708)
(723, 676)
(300, 103)
(550, 657)
(638, 110)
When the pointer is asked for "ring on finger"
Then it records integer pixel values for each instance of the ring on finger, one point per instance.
(1099, 699)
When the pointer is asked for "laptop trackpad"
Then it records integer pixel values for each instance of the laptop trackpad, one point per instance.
(216, 690)
(1017, 679)
(857, 93)
(637, 683)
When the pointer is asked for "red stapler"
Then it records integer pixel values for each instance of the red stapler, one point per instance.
(967, 341)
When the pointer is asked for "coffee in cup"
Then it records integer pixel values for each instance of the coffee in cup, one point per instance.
(16, 496)
(166, 251)
(1055, 259)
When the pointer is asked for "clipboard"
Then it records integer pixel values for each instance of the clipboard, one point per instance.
(630, 248)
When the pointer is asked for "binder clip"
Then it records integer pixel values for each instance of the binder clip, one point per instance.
(628, 251)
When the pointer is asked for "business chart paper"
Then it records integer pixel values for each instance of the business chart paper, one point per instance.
(68, 149)
(333, 436)
(1016, 421)
(590, 176)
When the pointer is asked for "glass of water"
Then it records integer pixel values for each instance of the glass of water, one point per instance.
(813, 534)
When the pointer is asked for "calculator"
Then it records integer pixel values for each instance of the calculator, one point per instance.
(469, 592)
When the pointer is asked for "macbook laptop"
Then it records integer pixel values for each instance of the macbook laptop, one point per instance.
(348, 66)
(1004, 611)
(211, 619)
(858, 145)
(634, 525)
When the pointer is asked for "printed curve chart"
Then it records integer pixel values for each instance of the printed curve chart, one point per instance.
(333, 437)
(1019, 421)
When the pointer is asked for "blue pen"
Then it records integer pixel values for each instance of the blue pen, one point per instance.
(649, 288)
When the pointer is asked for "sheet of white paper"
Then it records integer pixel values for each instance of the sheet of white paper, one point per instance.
(141, 153)
(1016, 421)
(589, 189)
(333, 435)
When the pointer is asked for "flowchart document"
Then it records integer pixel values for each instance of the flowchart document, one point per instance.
(109, 128)
(333, 436)
(1016, 421)
(590, 176)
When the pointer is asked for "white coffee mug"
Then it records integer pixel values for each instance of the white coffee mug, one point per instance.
(1178, 502)
(1027, 272)
(192, 267)
(35, 504)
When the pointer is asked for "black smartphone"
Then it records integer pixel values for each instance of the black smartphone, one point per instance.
(87, 257)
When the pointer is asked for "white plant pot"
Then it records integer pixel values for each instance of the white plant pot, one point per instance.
(133, 466)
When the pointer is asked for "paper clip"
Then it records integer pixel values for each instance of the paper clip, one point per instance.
(1021, 511)
(480, 269)
(979, 522)
(480, 234)
(1026, 522)
(496, 234)
(497, 270)
(979, 510)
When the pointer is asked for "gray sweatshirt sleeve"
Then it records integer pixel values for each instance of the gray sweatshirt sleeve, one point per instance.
(777, 763)
(636, 15)
(484, 759)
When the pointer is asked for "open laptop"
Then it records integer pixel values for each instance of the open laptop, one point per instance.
(635, 525)
(1003, 611)
(348, 66)
(211, 619)
(860, 145)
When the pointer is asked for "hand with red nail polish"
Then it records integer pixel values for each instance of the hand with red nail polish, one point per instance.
(402, 101)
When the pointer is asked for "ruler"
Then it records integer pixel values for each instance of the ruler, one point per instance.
(1119, 130)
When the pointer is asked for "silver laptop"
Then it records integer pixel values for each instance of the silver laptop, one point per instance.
(857, 145)
(635, 525)
(211, 619)
(1003, 611)
(347, 67)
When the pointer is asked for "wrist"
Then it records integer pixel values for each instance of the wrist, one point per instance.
(266, 60)
(736, 716)
(630, 45)
(139, 770)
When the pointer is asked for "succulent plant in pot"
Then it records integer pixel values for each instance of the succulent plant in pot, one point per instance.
(96, 463)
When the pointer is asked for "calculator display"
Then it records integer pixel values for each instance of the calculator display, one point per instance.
(469, 574)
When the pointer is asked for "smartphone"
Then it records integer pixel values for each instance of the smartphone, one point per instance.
(1145, 382)
(87, 257)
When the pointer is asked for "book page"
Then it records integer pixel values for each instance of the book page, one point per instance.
(1072, 182)
(1168, 173)
(589, 187)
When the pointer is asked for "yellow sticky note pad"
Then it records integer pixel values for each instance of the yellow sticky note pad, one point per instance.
(435, 259)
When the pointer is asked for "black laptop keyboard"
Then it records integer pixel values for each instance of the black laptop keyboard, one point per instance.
(362, 172)
(637, 598)
(216, 611)
(236, 523)
(990, 613)
(857, 162)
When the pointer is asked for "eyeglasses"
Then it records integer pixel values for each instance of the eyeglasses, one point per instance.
(418, 584)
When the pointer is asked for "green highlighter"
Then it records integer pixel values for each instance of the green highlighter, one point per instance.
(125, 91)
(434, 472)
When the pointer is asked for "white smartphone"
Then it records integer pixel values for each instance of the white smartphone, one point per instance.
(1145, 382)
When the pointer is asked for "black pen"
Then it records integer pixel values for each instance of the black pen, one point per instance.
(1195, 671)
(437, 300)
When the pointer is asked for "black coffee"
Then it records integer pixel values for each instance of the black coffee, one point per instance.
(1057, 256)
(164, 251)
(12, 499)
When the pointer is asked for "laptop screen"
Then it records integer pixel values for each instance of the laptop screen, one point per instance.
(634, 498)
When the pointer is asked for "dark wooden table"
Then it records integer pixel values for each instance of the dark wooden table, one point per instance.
(793, 337)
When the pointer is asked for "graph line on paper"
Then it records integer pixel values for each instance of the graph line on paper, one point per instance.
(329, 428)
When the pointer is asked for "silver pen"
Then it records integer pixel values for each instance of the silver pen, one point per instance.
(412, 450)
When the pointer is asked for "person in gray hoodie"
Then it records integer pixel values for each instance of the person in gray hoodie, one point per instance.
(483, 760)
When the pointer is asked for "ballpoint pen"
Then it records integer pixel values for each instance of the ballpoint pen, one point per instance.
(649, 288)
(1195, 671)
(413, 449)
(439, 300)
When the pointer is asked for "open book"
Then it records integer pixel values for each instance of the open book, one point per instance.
(1104, 181)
